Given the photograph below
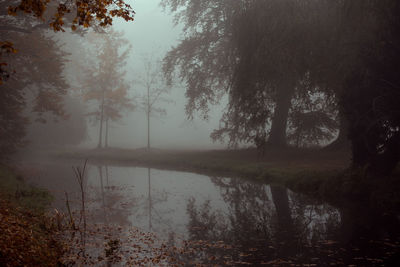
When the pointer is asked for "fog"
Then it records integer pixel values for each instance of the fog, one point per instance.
(215, 133)
(151, 35)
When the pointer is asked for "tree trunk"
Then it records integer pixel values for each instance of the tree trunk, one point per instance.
(342, 140)
(277, 137)
(148, 118)
(148, 131)
(106, 137)
(298, 137)
(101, 121)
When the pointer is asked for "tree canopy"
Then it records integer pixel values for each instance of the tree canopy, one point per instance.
(31, 72)
(104, 81)
(84, 13)
(257, 52)
(262, 53)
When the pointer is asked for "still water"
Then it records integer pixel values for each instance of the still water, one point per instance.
(222, 221)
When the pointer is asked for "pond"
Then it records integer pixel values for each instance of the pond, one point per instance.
(198, 219)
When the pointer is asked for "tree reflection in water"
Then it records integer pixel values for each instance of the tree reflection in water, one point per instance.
(109, 203)
(227, 221)
(111, 238)
(270, 224)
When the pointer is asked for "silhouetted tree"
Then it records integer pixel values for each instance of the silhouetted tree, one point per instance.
(371, 103)
(258, 52)
(206, 57)
(28, 90)
(361, 66)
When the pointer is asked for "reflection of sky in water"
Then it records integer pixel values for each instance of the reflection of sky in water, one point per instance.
(261, 222)
(170, 192)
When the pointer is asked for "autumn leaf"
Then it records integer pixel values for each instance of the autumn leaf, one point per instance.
(86, 11)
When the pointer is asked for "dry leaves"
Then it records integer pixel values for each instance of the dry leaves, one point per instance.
(26, 239)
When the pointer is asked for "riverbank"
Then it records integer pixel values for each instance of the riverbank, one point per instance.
(27, 233)
(318, 173)
(274, 166)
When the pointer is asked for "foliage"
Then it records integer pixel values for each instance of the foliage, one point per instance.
(48, 89)
(247, 119)
(312, 118)
(258, 52)
(104, 81)
(261, 52)
(87, 13)
(371, 96)
(28, 91)
(34, 75)
(311, 127)
(205, 57)
(42, 14)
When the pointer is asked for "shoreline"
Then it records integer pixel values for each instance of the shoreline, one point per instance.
(320, 174)
(276, 166)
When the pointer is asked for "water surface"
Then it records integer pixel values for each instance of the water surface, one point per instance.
(228, 221)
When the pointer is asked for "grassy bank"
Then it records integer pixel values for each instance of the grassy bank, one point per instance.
(274, 166)
(319, 173)
(27, 236)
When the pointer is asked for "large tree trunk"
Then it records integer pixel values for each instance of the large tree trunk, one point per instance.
(277, 137)
(342, 140)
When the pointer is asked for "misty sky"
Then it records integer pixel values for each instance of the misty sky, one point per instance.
(153, 33)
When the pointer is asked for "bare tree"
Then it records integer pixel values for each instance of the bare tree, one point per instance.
(156, 88)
